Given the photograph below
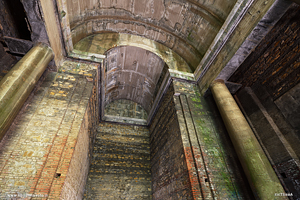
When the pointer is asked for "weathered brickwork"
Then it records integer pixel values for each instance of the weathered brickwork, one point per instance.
(219, 171)
(187, 27)
(268, 76)
(275, 62)
(192, 156)
(120, 167)
(170, 177)
(126, 112)
(125, 108)
(36, 153)
(132, 73)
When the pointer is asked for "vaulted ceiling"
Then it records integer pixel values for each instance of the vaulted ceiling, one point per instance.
(188, 27)
(194, 36)
(197, 38)
(132, 73)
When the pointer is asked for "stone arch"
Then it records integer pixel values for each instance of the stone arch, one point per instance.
(132, 73)
(101, 43)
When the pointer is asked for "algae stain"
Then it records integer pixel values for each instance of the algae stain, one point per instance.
(63, 14)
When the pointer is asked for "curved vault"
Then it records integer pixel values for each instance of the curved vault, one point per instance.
(132, 73)
(188, 27)
(101, 43)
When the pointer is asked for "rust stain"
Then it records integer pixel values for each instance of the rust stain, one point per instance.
(112, 70)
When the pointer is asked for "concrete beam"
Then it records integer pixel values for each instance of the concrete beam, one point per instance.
(19, 82)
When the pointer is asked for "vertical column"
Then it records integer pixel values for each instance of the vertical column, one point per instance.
(18, 83)
(260, 174)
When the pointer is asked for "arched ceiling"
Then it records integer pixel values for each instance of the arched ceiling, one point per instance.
(101, 43)
(188, 27)
(132, 73)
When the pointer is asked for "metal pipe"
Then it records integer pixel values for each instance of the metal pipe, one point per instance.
(18, 83)
(260, 174)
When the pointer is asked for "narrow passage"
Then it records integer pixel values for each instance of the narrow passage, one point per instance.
(120, 167)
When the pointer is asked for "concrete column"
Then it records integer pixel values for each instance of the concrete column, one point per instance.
(18, 83)
(260, 174)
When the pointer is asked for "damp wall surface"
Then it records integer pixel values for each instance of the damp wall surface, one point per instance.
(191, 154)
(269, 97)
(46, 151)
(170, 179)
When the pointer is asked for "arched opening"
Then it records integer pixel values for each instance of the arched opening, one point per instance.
(103, 42)
(125, 111)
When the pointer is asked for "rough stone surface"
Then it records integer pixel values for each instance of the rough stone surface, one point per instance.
(35, 19)
(120, 167)
(17, 45)
(170, 176)
(50, 141)
(13, 20)
(289, 171)
(7, 61)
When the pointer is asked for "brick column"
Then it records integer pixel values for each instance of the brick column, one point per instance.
(18, 83)
(260, 174)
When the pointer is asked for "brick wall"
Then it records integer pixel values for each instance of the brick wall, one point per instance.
(204, 135)
(192, 156)
(45, 153)
(270, 79)
(275, 62)
(170, 178)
